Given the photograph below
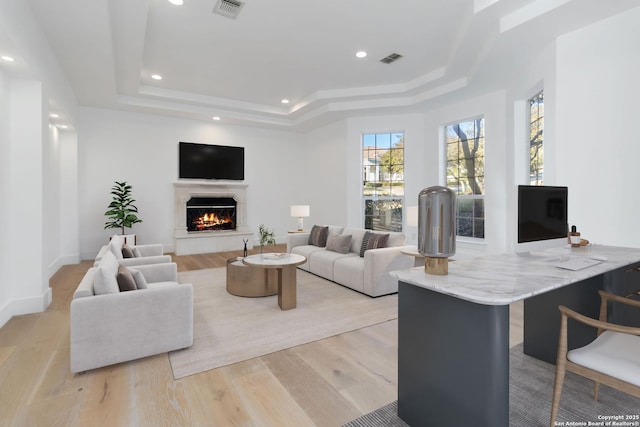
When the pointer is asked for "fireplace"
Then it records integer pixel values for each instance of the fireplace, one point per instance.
(210, 217)
(211, 214)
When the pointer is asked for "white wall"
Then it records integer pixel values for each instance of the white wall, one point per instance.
(51, 203)
(325, 168)
(30, 166)
(143, 150)
(597, 128)
(5, 244)
(27, 279)
(540, 74)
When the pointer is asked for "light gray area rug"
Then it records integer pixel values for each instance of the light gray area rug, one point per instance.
(229, 329)
(531, 390)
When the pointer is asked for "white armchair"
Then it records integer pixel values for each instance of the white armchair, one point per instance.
(139, 254)
(121, 326)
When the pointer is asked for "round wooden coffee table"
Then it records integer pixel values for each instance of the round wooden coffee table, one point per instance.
(244, 281)
(285, 264)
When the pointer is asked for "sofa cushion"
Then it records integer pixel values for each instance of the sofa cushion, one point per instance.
(125, 279)
(321, 262)
(141, 282)
(115, 246)
(339, 243)
(349, 271)
(306, 251)
(127, 251)
(373, 241)
(104, 280)
(356, 239)
(318, 236)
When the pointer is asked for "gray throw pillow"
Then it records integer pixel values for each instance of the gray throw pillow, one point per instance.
(339, 243)
(141, 282)
(373, 241)
(127, 252)
(318, 236)
(125, 279)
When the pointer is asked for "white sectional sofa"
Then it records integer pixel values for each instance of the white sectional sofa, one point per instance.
(109, 326)
(368, 274)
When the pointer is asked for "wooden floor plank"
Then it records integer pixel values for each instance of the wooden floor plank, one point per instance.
(213, 400)
(268, 402)
(107, 398)
(326, 406)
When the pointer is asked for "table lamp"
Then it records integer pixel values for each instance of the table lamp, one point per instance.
(300, 211)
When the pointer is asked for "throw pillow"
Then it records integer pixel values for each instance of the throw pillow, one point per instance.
(318, 236)
(136, 253)
(339, 243)
(125, 279)
(115, 246)
(104, 280)
(373, 241)
(127, 252)
(141, 282)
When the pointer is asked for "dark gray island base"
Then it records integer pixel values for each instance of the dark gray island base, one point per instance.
(453, 334)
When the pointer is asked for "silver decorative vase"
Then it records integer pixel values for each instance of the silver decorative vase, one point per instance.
(437, 228)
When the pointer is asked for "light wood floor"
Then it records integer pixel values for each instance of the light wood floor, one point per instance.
(324, 383)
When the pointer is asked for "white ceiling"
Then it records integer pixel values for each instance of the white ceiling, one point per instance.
(302, 50)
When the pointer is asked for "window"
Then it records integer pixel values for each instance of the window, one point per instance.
(465, 174)
(383, 180)
(536, 137)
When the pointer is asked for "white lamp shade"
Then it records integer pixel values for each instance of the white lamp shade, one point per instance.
(300, 211)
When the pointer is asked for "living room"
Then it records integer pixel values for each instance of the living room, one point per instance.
(588, 74)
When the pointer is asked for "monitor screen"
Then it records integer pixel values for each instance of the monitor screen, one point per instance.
(542, 214)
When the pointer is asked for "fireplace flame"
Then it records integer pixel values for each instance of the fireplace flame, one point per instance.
(211, 220)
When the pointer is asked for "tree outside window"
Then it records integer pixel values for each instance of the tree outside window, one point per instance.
(383, 180)
(536, 138)
(465, 174)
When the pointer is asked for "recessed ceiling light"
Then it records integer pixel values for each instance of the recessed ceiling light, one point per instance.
(285, 101)
(361, 54)
(54, 115)
(62, 126)
(7, 58)
(216, 118)
(156, 76)
(176, 2)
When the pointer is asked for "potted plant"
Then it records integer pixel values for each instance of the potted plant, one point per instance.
(266, 236)
(122, 213)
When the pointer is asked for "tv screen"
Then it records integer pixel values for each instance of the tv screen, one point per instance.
(204, 161)
(542, 213)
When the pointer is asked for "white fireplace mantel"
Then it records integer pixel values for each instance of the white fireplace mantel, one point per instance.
(196, 242)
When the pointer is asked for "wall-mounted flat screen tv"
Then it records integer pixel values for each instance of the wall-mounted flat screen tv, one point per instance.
(205, 161)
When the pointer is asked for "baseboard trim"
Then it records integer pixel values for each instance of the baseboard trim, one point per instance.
(17, 307)
(62, 260)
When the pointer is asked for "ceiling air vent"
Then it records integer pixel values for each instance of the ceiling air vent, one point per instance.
(391, 58)
(228, 8)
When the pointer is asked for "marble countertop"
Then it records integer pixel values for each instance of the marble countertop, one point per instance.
(505, 278)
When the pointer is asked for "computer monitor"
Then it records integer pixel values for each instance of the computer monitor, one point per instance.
(542, 217)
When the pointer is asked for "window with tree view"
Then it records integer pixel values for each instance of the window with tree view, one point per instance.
(536, 137)
(383, 180)
(465, 174)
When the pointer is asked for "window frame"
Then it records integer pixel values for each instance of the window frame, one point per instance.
(444, 144)
(377, 197)
(540, 119)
